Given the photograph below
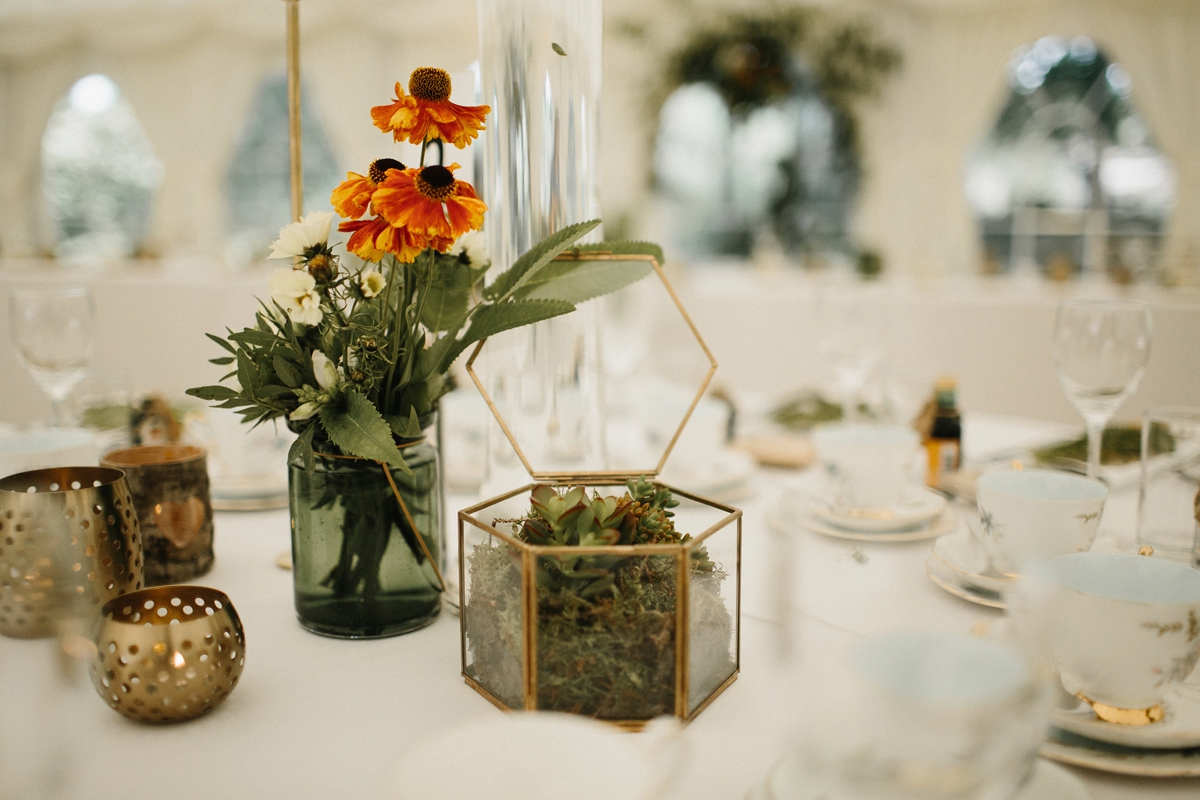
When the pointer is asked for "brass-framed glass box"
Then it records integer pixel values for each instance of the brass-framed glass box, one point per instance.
(608, 594)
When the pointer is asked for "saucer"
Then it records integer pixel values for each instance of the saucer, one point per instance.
(939, 526)
(1179, 729)
(916, 507)
(1046, 782)
(959, 586)
(1068, 748)
(963, 555)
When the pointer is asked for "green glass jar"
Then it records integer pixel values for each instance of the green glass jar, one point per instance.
(358, 568)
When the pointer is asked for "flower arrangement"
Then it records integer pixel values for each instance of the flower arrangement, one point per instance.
(606, 633)
(352, 357)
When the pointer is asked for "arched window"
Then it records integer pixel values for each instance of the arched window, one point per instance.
(1069, 180)
(258, 184)
(99, 173)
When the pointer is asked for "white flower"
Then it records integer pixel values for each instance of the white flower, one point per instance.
(304, 411)
(310, 231)
(327, 374)
(295, 291)
(473, 245)
(371, 282)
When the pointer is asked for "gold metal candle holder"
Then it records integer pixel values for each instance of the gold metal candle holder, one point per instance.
(507, 652)
(170, 490)
(169, 653)
(69, 537)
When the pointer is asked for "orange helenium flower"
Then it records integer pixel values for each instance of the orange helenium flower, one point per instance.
(352, 197)
(427, 112)
(430, 204)
(373, 238)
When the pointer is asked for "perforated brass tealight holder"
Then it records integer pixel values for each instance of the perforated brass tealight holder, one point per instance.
(512, 637)
(69, 542)
(168, 653)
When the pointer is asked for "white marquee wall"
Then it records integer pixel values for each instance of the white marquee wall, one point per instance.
(190, 68)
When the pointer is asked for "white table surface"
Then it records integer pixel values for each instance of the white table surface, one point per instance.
(323, 718)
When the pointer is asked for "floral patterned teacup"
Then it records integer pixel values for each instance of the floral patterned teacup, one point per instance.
(1121, 629)
(1031, 515)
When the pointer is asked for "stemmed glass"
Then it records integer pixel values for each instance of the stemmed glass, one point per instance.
(52, 331)
(1100, 352)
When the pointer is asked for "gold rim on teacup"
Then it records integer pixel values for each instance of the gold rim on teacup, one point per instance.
(1125, 716)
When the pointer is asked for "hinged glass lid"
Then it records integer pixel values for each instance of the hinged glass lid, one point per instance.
(604, 393)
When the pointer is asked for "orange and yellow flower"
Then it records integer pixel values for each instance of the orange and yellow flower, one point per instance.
(353, 196)
(427, 113)
(371, 239)
(430, 204)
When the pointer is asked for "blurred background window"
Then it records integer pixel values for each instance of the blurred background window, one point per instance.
(99, 173)
(1069, 179)
(757, 139)
(258, 184)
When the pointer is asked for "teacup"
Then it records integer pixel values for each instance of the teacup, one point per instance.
(869, 462)
(1121, 629)
(919, 715)
(1031, 515)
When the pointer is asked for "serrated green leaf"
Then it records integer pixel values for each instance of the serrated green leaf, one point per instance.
(358, 429)
(578, 280)
(221, 342)
(490, 320)
(301, 449)
(406, 427)
(535, 258)
(212, 393)
(286, 372)
(446, 303)
(622, 247)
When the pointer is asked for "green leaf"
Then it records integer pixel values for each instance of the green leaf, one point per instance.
(213, 393)
(406, 427)
(247, 374)
(286, 372)
(490, 320)
(358, 429)
(221, 342)
(222, 361)
(449, 292)
(250, 336)
(626, 248)
(537, 257)
(578, 280)
(556, 47)
(301, 449)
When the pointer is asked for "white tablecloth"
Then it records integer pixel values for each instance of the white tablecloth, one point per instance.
(323, 718)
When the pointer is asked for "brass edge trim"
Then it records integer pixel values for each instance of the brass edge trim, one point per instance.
(737, 656)
(487, 398)
(480, 506)
(717, 526)
(429, 559)
(721, 687)
(490, 531)
(612, 477)
(961, 594)
(491, 698)
(700, 498)
(681, 634)
(293, 101)
(529, 586)
(462, 592)
(606, 549)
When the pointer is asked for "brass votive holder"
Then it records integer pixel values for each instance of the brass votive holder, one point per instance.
(168, 653)
(170, 491)
(69, 542)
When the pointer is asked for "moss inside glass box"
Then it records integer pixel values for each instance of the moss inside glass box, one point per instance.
(604, 588)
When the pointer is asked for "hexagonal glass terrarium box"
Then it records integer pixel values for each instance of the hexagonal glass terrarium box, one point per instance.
(605, 593)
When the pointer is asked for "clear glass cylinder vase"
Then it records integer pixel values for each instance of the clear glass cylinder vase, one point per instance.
(359, 569)
(541, 75)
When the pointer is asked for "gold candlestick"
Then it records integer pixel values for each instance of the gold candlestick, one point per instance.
(293, 73)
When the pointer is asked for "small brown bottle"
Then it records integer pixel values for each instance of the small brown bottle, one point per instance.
(944, 444)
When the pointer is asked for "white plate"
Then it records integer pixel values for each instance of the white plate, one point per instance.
(1047, 782)
(1180, 728)
(1070, 748)
(963, 555)
(917, 507)
(937, 527)
(949, 580)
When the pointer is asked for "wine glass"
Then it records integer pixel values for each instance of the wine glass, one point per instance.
(1100, 352)
(52, 331)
